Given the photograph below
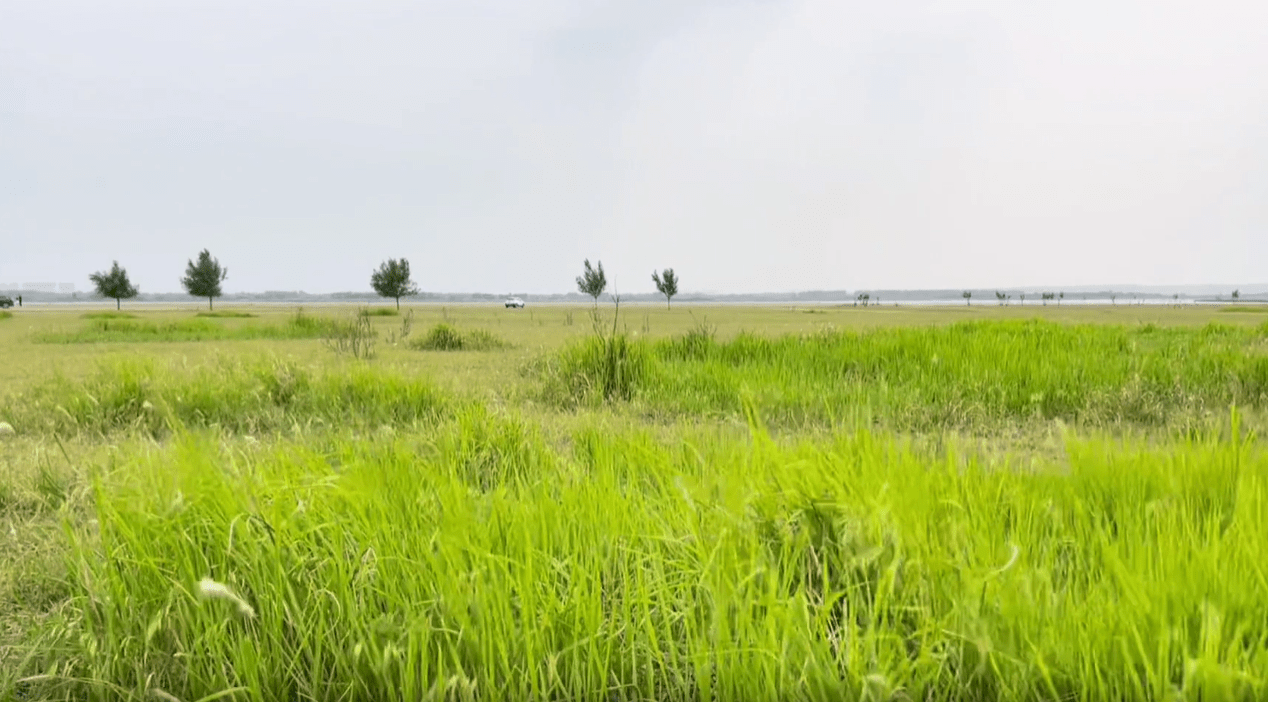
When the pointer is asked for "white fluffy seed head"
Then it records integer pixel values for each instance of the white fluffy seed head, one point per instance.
(209, 589)
(6, 429)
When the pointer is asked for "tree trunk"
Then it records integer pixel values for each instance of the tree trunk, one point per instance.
(211, 303)
(117, 303)
(398, 304)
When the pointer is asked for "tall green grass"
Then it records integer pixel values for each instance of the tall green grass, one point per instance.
(232, 314)
(108, 314)
(481, 562)
(445, 337)
(240, 395)
(968, 375)
(595, 370)
(299, 326)
(6, 314)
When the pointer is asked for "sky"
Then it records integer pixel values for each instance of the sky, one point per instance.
(751, 145)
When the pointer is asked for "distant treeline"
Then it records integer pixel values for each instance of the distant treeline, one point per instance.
(986, 295)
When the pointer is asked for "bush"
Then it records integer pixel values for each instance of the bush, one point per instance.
(110, 314)
(379, 312)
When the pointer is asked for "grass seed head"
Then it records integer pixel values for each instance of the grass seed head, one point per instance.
(209, 589)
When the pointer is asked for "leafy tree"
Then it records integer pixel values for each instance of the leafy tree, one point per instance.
(392, 280)
(114, 284)
(1000, 297)
(967, 297)
(593, 281)
(1237, 294)
(203, 279)
(667, 284)
(1060, 297)
(1023, 298)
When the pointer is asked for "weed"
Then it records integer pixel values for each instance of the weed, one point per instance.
(354, 337)
(407, 326)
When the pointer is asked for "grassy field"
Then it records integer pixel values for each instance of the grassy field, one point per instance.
(704, 503)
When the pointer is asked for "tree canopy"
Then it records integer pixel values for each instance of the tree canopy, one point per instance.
(203, 279)
(593, 281)
(392, 280)
(667, 284)
(115, 284)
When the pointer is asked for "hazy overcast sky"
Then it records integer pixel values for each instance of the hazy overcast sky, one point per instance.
(753, 145)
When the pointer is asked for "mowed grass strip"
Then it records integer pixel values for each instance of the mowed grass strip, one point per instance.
(299, 326)
(480, 562)
(972, 375)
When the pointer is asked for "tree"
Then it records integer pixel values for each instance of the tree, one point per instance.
(967, 297)
(1237, 294)
(1060, 297)
(1023, 298)
(392, 280)
(203, 279)
(667, 284)
(593, 282)
(1000, 297)
(114, 284)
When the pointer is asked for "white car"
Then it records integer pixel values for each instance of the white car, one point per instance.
(514, 302)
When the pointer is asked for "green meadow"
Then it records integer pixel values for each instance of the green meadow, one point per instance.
(704, 503)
